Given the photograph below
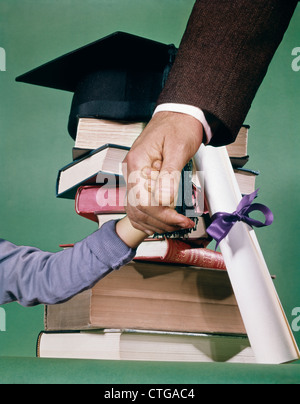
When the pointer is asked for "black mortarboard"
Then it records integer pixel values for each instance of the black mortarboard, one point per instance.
(118, 77)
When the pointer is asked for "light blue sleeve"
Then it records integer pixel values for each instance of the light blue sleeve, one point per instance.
(31, 276)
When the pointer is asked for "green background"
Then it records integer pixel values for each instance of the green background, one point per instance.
(34, 142)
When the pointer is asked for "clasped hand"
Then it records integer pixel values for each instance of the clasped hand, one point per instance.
(152, 171)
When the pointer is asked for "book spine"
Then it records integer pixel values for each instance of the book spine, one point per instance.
(93, 200)
(182, 253)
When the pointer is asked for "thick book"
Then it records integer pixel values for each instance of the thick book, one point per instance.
(104, 165)
(246, 179)
(138, 345)
(239, 148)
(152, 296)
(99, 166)
(176, 251)
(100, 204)
(93, 133)
(93, 200)
(111, 198)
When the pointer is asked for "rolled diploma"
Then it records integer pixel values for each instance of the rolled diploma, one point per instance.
(267, 327)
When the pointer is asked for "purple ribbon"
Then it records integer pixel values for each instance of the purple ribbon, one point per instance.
(223, 222)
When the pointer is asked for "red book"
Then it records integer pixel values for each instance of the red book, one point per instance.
(174, 251)
(94, 199)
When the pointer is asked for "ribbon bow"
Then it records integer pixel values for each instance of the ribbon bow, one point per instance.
(223, 222)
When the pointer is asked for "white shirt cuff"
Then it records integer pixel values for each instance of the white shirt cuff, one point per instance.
(188, 110)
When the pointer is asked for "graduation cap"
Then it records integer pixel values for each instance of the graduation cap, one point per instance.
(118, 77)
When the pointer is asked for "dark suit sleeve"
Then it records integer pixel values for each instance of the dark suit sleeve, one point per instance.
(223, 58)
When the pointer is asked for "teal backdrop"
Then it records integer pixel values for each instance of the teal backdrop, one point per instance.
(34, 142)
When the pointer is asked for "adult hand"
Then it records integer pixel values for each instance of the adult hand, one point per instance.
(166, 145)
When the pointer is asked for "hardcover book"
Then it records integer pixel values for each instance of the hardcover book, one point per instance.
(145, 345)
(97, 167)
(152, 296)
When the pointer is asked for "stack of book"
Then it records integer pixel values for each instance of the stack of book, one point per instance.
(174, 302)
(101, 145)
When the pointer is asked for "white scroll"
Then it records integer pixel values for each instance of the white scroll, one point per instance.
(267, 327)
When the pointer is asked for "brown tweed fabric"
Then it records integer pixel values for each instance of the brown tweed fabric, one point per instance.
(223, 58)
